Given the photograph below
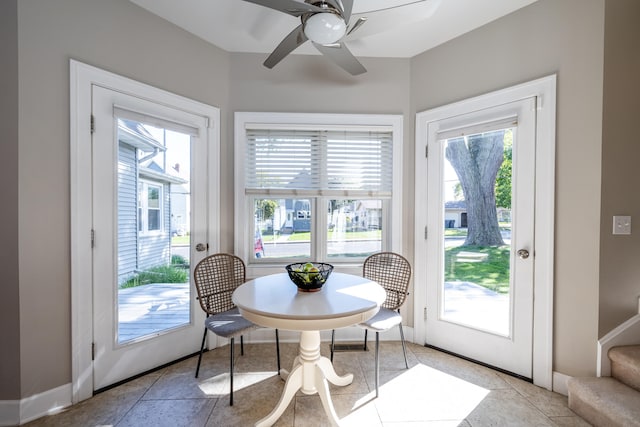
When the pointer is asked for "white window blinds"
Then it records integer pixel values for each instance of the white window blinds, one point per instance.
(319, 162)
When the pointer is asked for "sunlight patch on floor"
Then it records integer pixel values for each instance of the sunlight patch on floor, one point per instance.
(434, 396)
(219, 384)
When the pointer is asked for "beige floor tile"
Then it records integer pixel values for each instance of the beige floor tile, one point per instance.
(506, 408)
(353, 410)
(185, 386)
(106, 408)
(254, 399)
(550, 403)
(438, 390)
(573, 421)
(426, 394)
(169, 413)
(443, 423)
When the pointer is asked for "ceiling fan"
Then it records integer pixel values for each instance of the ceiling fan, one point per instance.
(325, 23)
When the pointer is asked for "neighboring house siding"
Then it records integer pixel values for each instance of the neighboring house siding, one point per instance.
(155, 249)
(127, 212)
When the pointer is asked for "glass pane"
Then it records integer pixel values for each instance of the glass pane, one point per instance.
(282, 228)
(154, 219)
(354, 228)
(154, 186)
(153, 197)
(477, 230)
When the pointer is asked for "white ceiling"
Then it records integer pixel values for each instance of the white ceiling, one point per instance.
(401, 32)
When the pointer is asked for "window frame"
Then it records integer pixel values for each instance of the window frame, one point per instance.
(244, 226)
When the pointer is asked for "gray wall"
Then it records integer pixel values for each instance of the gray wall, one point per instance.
(619, 255)
(117, 36)
(9, 285)
(549, 36)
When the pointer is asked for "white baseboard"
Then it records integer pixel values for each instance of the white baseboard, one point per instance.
(17, 412)
(625, 334)
(560, 383)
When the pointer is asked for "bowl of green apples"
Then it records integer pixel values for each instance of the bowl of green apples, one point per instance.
(309, 276)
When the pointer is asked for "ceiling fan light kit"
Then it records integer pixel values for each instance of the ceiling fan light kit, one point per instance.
(325, 28)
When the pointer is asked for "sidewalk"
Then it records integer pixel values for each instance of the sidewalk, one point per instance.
(470, 304)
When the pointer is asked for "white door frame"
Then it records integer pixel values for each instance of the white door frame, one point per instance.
(545, 91)
(82, 77)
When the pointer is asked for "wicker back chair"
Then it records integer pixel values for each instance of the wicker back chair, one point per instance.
(393, 272)
(216, 277)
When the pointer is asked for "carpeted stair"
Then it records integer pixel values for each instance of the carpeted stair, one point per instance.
(610, 401)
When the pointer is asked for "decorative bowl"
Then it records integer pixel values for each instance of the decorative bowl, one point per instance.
(309, 276)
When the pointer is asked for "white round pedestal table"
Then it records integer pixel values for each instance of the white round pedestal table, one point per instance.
(275, 302)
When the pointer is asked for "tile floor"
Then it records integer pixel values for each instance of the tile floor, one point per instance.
(437, 390)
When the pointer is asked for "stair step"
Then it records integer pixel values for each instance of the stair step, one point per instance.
(604, 401)
(625, 365)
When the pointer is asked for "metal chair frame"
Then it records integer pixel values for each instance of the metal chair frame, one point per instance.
(393, 272)
(216, 277)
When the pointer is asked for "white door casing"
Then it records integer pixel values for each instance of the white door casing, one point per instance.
(537, 297)
(92, 87)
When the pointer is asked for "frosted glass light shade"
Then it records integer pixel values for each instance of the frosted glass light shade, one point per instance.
(325, 28)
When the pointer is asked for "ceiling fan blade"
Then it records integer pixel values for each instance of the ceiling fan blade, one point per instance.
(291, 7)
(342, 56)
(357, 25)
(347, 7)
(286, 46)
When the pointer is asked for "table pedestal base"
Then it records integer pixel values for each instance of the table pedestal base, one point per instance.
(309, 374)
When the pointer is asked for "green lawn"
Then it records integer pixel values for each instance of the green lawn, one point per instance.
(486, 266)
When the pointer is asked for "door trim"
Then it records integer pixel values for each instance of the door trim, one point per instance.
(545, 91)
(82, 77)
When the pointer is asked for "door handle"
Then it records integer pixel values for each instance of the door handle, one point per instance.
(201, 247)
(523, 254)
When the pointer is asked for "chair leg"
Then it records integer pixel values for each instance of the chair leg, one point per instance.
(278, 350)
(333, 340)
(231, 371)
(404, 347)
(204, 337)
(365, 339)
(241, 346)
(377, 361)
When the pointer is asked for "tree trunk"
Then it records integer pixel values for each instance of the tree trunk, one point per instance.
(477, 162)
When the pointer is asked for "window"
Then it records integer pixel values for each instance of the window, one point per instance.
(149, 207)
(316, 187)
